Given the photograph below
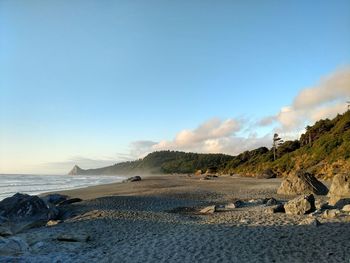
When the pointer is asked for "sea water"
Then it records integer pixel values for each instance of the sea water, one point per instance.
(37, 184)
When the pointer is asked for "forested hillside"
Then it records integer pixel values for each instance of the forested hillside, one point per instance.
(324, 149)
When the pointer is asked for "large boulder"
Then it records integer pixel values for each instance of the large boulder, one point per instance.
(339, 192)
(300, 183)
(21, 207)
(301, 205)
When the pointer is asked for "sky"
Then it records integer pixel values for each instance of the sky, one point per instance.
(98, 82)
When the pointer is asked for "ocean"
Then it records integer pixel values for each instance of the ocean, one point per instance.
(37, 184)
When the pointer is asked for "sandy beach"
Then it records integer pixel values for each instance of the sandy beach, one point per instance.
(157, 220)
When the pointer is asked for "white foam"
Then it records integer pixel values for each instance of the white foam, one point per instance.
(36, 184)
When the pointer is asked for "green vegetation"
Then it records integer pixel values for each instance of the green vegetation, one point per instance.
(323, 149)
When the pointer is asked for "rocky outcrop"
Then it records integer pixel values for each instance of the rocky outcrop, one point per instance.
(20, 207)
(267, 174)
(302, 182)
(301, 205)
(339, 192)
(76, 170)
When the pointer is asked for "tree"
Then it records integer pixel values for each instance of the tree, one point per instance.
(348, 102)
(276, 142)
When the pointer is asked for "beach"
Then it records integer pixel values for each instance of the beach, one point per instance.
(157, 220)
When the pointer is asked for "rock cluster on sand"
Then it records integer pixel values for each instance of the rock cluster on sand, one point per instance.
(339, 193)
(301, 182)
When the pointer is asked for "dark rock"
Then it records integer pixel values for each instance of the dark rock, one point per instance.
(302, 182)
(301, 205)
(70, 201)
(275, 209)
(267, 174)
(54, 198)
(238, 203)
(133, 179)
(212, 170)
(271, 201)
(339, 193)
(21, 207)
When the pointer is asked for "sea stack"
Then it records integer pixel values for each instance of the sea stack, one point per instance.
(76, 170)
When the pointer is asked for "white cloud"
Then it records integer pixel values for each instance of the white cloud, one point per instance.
(334, 87)
(324, 100)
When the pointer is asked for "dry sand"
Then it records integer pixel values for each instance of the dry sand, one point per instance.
(142, 222)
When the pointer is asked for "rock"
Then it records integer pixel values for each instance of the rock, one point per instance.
(331, 213)
(339, 192)
(230, 206)
(70, 201)
(73, 237)
(212, 170)
(346, 208)
(310, 221)
(13, 246)
(53, 222)
(315, 213)
(5, 231)
(133, 179)
(21, 207)
(301, 205)
(271, 201)
(198, 172)
(238, 203)
(322, 205)
(301, 182)
(275, 209)
(54, 198)
(208, 210)
(267, 174)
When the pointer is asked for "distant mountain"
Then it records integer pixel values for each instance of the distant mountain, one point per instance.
(324, 149)
(162, 162)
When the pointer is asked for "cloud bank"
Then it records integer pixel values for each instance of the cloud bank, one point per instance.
(324, 100)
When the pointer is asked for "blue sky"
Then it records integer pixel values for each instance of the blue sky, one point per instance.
(95, 82)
